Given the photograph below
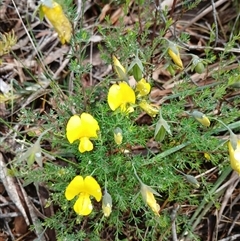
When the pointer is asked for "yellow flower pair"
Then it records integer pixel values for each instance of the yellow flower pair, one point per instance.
(122, 96)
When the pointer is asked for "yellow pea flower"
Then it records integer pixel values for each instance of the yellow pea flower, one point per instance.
(120, 96)
(54, 13)
(175, 55)
(82, 128)
(107, 204)
(120, 70)
(149, 109)
(143, 88)
(83, 188)
(148, 197)
(234, 155)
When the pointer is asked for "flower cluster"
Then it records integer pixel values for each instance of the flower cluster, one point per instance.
(123, 97)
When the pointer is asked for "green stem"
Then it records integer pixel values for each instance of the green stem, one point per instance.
(231, 132)
(136, 174)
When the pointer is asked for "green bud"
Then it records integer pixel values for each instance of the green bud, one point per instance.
(192, 180)
(197, 64)
(199, 68)
(161, 128)
(171, 70)
(137, 73)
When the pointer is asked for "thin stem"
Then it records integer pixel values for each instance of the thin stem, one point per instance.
(231, 132)
(136, 174)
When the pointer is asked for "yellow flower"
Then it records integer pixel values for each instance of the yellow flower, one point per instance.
(148, 197)
(175, 55)
(107, 204)
(82, 128)
(54, 13)
(83, 188)
(150, 110)
(120, 70)
(120, 95)
(118, 137)
(234, 156)
(143, 88)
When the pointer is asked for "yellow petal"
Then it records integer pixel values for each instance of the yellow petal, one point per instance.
(92, 188)
(152, 203)
(107, 204)
(59, 21)
(85, 145)
(73, 128)
(149, 199)
(89, 126)
(107, 209)
(74, 187)
(175, 55)
(143, 88)
(114, 97)
(151, 110)
(204, 121)
(118, 138)
(120, 95)
(120, 70)
(202, 118)
(83, 205)
(127, 93)
(234, 156)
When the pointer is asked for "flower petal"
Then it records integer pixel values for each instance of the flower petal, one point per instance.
(127, 93)
(148, 197)
(83, 205)
(73, 128)
(175, 55)
(143, 88)
(114, 97)
(74, 187)
(92, 188)
(89, 126)
(120, 70)
(151, 110)
(85, 145)
(59, 21)
(234, 156)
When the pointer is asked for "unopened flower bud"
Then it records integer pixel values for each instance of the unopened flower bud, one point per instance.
(175, 55)
(197, 64)
(137, 73)
(120, 70)
(118, 137)
(161, 128)
(107, 204)
(200, 117)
